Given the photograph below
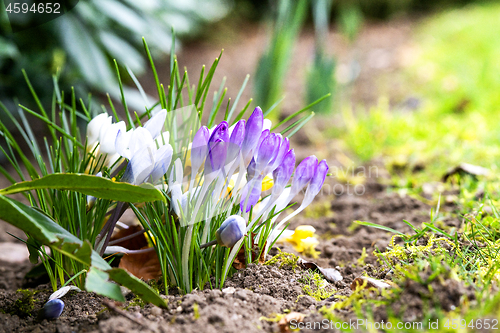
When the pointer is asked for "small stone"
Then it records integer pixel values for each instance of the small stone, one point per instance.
(228, 290)
(156, 311)
(242, 294)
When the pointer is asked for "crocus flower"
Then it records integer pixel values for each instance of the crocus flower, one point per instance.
(253, 131)
(303, 177)
(101, 135)
(199, 149)
(94, 128)
(236, 140)
(303, 174)
(231, 231)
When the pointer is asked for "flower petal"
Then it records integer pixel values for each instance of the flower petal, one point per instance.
(155, 124)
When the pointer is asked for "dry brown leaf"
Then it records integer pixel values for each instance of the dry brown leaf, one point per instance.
(284, 323)
(240, 260)
(144, 266)
(331, 274)
(135, 243)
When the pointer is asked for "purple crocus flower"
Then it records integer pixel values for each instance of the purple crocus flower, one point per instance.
(199, 148)
(317, 180)
(235, 140)
(266, 151)
(253, 131)
(251, 193)
(303, 174)
(282, 174)
(283, 150)
(217, 153)
(220, 132)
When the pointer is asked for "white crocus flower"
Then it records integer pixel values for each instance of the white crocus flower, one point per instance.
(94, 128)
(267, 124)
(145, 159)
(101, 137)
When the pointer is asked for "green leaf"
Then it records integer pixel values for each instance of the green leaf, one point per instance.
(137, 286)
(45, 230)
(378, 226)
(90, 185)
(98, 282)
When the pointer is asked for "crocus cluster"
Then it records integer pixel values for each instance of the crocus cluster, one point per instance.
(237, 160)
(232, 164)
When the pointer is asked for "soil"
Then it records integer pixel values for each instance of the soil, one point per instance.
(251, 299)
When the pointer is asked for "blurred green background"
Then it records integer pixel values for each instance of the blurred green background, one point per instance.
(79, 46)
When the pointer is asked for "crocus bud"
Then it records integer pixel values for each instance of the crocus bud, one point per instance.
(267, 151)
(221, 132)
(52, 309)
(283, 150)
(236, 139)
(163, 157)
(216, 156)
(107, 137)
(231, 231)
(253, 130)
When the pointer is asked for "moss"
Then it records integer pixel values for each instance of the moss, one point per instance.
(316, 286)
(23, 307)
(137, 301)
(410, 251)
(284, 259)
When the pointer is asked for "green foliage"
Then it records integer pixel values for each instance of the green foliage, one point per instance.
(316, 286)
(457, 120)
(89, 185)
(80, 44)
(321, 76)
(274, 63)
(284, 259)
(42, 228)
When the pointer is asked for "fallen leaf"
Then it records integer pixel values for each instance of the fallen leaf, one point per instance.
(473, 170)
(240, 260)
(331, 274)
(368, 282)
(134, 243)
(284, 323)
(144, 266)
